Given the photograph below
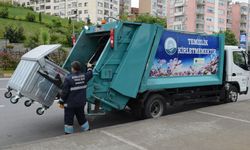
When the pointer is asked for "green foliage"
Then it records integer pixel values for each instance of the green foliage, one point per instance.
(70, 21)
(56, 23)
(32, 41)
(230, 38)
(40, 17)
(44, 37)
(4, 12)
(145, 18)
(14, 34)
(30, 17)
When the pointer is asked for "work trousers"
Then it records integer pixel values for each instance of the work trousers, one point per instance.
(69, 114)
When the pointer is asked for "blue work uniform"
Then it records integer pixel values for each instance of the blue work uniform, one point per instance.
(73, 96)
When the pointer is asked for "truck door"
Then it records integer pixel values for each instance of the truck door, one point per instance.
(240, 72)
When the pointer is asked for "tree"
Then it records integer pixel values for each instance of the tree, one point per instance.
(14, 34)
(230, 38)
(40, 17)
(69, 21)
(44, 37)
(145, 18)
(30, 17)
(4, 12)
(32, 41)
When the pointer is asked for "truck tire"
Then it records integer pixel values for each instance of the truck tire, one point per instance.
(154, 106)
(232, 94)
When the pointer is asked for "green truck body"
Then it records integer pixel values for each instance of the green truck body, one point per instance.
(122, 71)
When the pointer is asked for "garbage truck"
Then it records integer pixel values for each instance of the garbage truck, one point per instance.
(145, 67)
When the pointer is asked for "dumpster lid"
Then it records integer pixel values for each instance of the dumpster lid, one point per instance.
(40, 52)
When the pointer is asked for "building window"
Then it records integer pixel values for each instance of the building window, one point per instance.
(80, 5)
(210, 10)
(221, 20)
(210, 1)
(85, 11)
(86, 4)
(111, 6)
(69, 5)
(221, 3)
(111, 14)
(47, 1)
(56, 1)
(221, 12)
(56, 7)
(80, 12)
(100, 4)
(48, 7)
(100, 12)
(74, 4)
(210, 28)
(106, 5)
(106, 12)
(210, 19)
(37, 8)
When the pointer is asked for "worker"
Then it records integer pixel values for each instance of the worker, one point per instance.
(73, 97)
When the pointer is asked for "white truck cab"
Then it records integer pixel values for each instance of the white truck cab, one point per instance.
(237, 71)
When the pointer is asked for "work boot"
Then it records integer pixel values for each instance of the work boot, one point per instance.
(85, 126)
(68, 129)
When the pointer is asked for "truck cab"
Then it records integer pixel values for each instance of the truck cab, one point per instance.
(237, 68)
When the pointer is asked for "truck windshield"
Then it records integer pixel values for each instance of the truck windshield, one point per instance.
(240, 60)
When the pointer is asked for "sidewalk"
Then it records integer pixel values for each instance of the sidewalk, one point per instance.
(222, 127)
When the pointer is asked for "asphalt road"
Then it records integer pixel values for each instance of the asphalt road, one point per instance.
(20, 124)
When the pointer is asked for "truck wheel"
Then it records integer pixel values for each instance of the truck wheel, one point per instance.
(232, 94)
(154, 106)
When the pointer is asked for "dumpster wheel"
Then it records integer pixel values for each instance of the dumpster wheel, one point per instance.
(8, 94)
(14, 99)
(40, 111)
(28, 103)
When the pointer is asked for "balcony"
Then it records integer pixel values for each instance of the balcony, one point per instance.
(243, 21)
(200, 21)
(229, 26)
(180, 13)
(179, 4)
(200, 11)
(200, 2)
(243, 13)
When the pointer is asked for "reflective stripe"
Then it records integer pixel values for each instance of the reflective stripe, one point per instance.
(80, 76)
(78, 88)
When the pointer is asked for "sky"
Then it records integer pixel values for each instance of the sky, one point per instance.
(135, 3)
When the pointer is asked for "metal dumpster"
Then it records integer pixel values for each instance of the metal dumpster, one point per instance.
(33, 77)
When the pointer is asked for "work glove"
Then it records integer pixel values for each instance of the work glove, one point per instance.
(89, 66)
(61, 103)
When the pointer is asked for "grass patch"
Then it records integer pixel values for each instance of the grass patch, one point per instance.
(29, 27)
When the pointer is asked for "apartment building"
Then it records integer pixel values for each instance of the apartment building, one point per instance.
(238, 18)
(125, 6)
(95, 10)
(205, 16)
(153, 7)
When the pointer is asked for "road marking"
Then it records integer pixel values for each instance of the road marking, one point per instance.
(124, 140)
(225, 117)
(2, 106)
(4, 79)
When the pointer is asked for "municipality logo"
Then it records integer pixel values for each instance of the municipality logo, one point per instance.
(170, 46)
